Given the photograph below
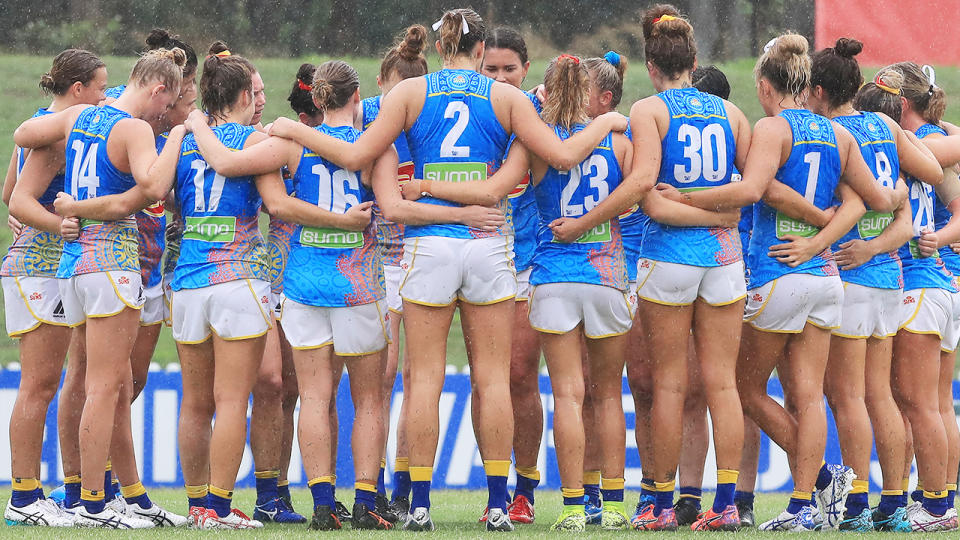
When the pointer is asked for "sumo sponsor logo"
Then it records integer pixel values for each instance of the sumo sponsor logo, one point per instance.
(455, 172)
(329, 238)
(787, 226)
(210, 229)
(873, 223)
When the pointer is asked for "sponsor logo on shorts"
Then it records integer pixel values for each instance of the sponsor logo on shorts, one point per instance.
(909, 300)
(645, 264)
(404, 266)
(264, 300)
(36, 296)
(58, 311)
(210, 229)
(124, 280)
(757, 298)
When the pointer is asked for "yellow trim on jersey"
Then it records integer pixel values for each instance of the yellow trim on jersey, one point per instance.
(763, 306)
(798, 143)
(435, 94)
(706, 116)
(88, 134)
(867, 143)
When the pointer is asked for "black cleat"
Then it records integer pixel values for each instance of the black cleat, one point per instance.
(365, 518)
(746, 515)
(400, 507)
(342, 513)
(687, 511)
(325, 519)
(383, 509)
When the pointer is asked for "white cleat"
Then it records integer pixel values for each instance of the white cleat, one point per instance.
(802, 521)
(157, 515)
(832, 500)
(41, 513)
(234, 520)
(498, 520)
(923, 521)
(109, 519)
(418, 520)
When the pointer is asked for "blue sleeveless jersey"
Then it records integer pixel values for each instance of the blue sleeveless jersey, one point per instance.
(813, 170)
(698, 153)
(597, 256)
(332, 267)
(102, 246)
(924, 272)
(456, 138)
(114, 91)
(633, 223)
(880, 152)
(221, 235)
(56, 185)
(941, 214)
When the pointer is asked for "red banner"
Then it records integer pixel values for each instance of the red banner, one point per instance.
(923, 31)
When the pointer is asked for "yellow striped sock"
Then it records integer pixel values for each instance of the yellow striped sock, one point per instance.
(365, 486)
(197, 492)
(266, 474)
(665, 486)
(133, 490)
(72, 479)
(906, 484)
(860, 486)
(951, 487)
(421, 474)
(401, 464)
(569, 493)
(222, 493)
(383, 463)
(727, 476)
(648, 485)
(25, 484)
(88, 495)
(612, 483)
(529, 472)
(919, 484)
(281, 483)
(109, 466)
(934, 494)
(496, 467)
(591, 477)
(801, 495)
(891, 492)
(320, 480)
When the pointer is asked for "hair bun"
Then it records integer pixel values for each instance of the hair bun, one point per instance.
(217, 47)
(305, 73)
(413, 42)
(158, 38)
(790, 45)
(848, 48)
(47, 82)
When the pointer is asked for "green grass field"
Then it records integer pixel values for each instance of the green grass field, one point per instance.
(22, 97)
(454, 512)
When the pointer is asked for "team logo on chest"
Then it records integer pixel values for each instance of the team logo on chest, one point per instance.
(694, 103)
(872, 128)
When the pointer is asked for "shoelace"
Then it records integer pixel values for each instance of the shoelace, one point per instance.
(380, 520)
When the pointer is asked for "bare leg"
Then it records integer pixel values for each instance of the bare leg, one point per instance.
(845, 387)
(885, 417)
(196, 411)
(70, 405)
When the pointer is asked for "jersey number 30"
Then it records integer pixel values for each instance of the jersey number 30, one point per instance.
(705, 150)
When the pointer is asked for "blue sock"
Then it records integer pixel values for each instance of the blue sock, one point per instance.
(420, 478)
(528, 478)
(797, 501)
(743, 497)
(266, 486)
(691, 492)
(401, 484)
(888, 503)
(497, 494)
(283, 491)
(592, 494)
(219, 500)
(21, 497)
(647, 492)
(572, 497)
(381, 481)
(322, 491)
(91, 504)
(664, 497)
(856, 503)
(935, 502)
(109, 490)
(724, 497)
(823, 477)
(917, 495)
(363, 494)
(200, 502)
(71, 493)
(902, 499)
(39, 494)
(951, 497)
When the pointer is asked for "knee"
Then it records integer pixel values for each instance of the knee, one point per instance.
(523, 383)
(268, 387)
(196, 409)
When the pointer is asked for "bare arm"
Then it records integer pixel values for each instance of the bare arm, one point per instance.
(664, 210)
(856, 252)
(41, 166)
(542, 141)
(945, 148)
(915, 158)
(279, 204)
(857, 175)
(155, 174)
(798, 250)
(487, 192)
(255, 159)
(47, 129)
(11, 179)
(790, 202)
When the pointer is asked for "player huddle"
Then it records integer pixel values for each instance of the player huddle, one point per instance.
(695, 251)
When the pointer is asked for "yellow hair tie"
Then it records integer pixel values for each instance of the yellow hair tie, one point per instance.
(223, 53)
(879, 82)
(663, 18)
